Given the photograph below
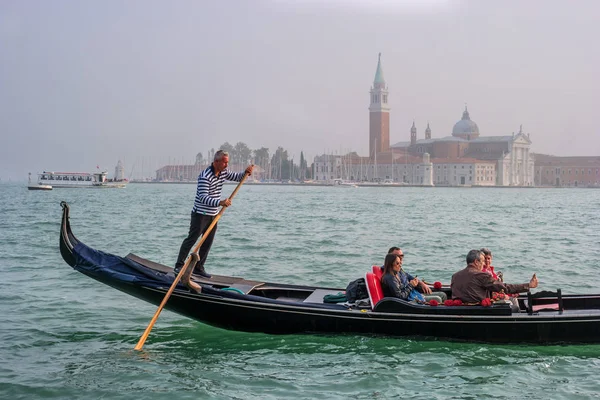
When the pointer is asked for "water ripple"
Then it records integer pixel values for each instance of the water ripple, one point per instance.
(63, 335)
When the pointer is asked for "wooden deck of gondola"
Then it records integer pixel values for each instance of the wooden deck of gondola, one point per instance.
(241, 284)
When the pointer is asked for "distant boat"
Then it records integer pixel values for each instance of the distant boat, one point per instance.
(79, 180)
(342, 183)
(37, 186)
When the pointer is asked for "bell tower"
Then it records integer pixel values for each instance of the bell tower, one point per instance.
(413, 134)
(379, 114)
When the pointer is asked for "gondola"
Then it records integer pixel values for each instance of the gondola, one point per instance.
(253, 306)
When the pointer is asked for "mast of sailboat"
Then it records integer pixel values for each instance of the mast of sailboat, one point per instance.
(361, 171)
(376, 175)
(405, 163)
(392, 149)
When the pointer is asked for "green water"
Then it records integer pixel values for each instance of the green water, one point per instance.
(63, 335)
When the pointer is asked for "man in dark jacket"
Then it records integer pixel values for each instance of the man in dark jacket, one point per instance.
(471, 285)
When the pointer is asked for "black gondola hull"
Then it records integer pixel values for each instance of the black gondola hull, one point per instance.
(249, 312)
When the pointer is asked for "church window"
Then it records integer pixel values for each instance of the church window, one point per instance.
(385, 98)
(576, 171)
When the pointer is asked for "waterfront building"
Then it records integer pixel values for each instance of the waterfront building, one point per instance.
(567, 171)
(406, 169)
(179, 172)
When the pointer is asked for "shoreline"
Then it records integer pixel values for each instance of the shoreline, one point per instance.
(383, 185)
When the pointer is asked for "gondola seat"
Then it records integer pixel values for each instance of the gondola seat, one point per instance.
(373, 288)
(545, 301)
(377, 271)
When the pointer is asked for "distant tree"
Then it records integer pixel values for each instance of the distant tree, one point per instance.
(242, 153)
(280, 165)
(303, 166)
(228, 148)
(261, 158)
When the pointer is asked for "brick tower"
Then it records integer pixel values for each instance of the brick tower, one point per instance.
(379, 114)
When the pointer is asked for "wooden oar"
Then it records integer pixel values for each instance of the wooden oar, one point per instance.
(142, 340)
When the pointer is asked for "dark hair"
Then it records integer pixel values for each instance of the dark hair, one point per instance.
(472, 256)
(486, 251)
(392, 249)
(388, 264)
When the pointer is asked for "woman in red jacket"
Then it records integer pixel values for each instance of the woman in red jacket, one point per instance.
(487, 267)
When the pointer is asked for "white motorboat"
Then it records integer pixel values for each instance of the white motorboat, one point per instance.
(79, 180)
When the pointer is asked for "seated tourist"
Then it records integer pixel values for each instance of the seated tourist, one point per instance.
(422, 286)
(397, 283)
(471, 285)
(487, 267)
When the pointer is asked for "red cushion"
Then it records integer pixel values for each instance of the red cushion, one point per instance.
(377, 271)
(374, 288)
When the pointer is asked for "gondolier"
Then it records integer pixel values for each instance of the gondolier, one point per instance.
(206, 207)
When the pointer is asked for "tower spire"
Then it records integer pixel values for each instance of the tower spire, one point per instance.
(428, 131)
(379, 80)
(413, 134)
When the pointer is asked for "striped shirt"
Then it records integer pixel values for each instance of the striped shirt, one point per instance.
(208, 192)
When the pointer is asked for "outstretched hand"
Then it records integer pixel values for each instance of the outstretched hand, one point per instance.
(249, 169)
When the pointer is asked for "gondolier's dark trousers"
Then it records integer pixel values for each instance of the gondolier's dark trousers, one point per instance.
(198, 225)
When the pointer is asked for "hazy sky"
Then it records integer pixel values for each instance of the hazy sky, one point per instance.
(86, 83)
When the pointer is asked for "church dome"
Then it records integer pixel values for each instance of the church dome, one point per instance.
(465, 127)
